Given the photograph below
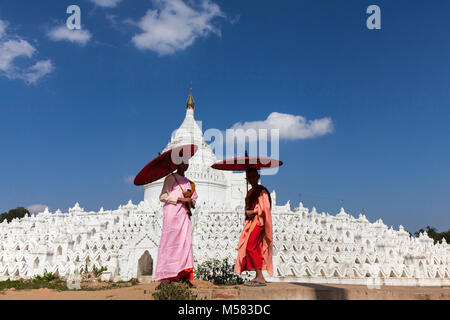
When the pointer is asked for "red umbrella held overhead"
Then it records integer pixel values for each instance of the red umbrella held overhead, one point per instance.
(164, 164)
(244, 163)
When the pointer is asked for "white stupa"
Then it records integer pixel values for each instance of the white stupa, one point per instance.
(308, 246)
(216, 189)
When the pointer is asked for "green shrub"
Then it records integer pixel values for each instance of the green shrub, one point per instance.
(47, 277)
(98, 272)
(218, 272)
(172, 291)
(433, 234)
(18, 213)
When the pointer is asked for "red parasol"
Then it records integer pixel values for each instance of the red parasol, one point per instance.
(244, 163)
(164, 164)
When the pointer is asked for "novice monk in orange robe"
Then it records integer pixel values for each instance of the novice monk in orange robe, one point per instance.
(256, 241)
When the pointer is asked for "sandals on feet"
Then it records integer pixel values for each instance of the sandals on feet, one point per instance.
(255, 283)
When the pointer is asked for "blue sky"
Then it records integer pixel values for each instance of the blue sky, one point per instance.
(81, 113)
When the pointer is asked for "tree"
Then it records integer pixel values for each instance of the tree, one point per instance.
(433, 234)
(18, 212)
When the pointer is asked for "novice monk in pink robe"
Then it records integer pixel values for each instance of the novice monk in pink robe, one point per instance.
(256, 241)
(175, 255)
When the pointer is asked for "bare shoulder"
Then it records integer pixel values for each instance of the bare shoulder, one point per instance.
(169, 179)
(265, 194)
(264, 191)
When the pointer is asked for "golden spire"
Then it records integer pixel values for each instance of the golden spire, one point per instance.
(190, 103)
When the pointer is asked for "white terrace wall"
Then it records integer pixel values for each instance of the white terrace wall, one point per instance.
(308, 246)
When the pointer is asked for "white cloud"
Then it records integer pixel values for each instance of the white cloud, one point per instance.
(106, 3)
(3, 26)
(112, 18)
(13, 48)
(174, 25)
(36, 208)
(40, 69)
(129, 179)
(235, 19)
(291, 127)
(62, 33)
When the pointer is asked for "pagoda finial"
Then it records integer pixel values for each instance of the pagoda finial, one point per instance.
(190, 103)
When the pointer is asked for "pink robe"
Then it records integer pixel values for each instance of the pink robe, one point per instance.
(263, 218)
(175, 253)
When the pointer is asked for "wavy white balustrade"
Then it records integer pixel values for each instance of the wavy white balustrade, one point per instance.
(308, 246)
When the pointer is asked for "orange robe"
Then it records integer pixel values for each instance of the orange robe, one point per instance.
(262, 205)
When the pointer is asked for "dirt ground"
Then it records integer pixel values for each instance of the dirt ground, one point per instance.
(273, 291)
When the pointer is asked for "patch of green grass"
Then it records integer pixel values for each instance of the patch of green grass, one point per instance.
(36, 283)
(54, 282)
(110, 285)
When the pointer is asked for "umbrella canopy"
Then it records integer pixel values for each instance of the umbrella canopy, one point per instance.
(244, 163)
(164, 164)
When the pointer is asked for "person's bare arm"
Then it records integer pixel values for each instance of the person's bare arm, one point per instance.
(165, 192)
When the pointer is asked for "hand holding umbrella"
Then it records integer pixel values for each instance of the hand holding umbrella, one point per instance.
(166, 163)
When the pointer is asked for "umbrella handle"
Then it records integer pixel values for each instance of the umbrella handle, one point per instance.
(246, 203)
(246, 197)
(188, 208)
